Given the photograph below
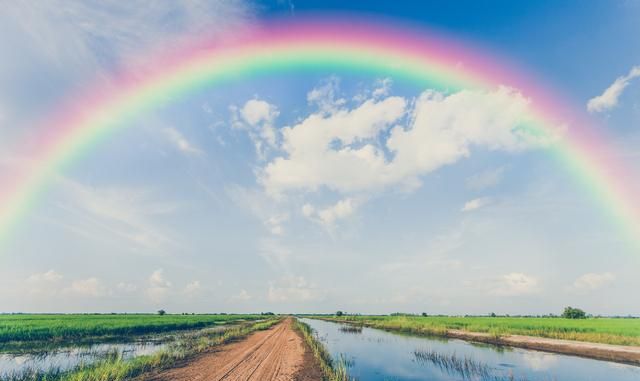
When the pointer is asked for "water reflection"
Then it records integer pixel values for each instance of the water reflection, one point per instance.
(379, 356)
(67, 358)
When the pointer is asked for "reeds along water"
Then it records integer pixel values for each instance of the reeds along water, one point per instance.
(465, 367)
(351, 328)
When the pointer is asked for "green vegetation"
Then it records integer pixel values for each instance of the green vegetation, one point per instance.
(333, 371)
(573, 313)
(115, 368)
(598, 330)
(465, 367)
(25, 329)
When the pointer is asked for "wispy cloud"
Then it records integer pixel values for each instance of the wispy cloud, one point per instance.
(292, 289)
(609, 98)
(593, 281)
(181, 143)
(102, 33)
(128, 213)
(486, 179)
(475, 204)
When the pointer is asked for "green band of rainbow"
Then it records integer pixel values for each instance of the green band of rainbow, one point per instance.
(312, 45)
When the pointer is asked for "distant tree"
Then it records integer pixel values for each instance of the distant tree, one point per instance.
(161, 312)
(493, 314)
(573, 313)
(424, 314)
(339, 313)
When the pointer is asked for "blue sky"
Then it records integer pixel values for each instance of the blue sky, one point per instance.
(207, 204)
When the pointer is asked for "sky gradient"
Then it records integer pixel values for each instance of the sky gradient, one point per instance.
(251, 195)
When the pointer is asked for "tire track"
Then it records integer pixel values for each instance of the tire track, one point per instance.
(277, 354)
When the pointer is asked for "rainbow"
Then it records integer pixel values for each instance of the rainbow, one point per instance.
(316, 43)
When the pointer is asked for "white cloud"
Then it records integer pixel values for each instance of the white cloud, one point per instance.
(261, 206)
(383, 87)
(593, 281)
(476, 203)
(609, 98)
(326, 98)
(514, 284)
(258, 118)
(159, 287)
(87, 287)
(89, 34)
(343, 150)
(311, 161)
(330, 215)
(49, 276)
(180, 142)
(446, 127)
(257, 111)
(486, 179)
(129, 213)
(292, 289)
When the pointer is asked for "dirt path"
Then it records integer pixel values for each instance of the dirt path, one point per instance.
(277, 354)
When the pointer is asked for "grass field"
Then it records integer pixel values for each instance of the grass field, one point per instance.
(115, 368)
(38, 328)
(597, 330)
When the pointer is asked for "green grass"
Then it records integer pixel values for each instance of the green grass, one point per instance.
(115, 368)
(62, 328)
(596, 330)
(332, 370)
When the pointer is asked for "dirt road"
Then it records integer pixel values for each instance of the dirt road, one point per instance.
(277, 354)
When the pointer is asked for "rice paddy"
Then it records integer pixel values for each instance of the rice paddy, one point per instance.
(115, 366)
(24, 330)
(619, 331)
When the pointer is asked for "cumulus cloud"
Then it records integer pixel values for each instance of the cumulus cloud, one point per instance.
(330, 215)
(609, 98)
(48, 276)
(514, 284)
(476, 203)
(312, 161)
(257, 117)
(92, 287)
(292, 289)
(180, 142)
(257, 111)
(159, 287)
(344, 150)
(593, 281)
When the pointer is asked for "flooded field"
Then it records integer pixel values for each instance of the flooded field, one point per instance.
(69, 357)
(382, 356)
